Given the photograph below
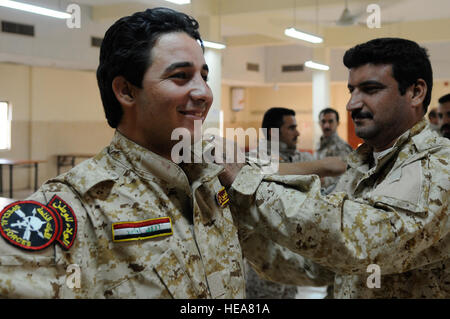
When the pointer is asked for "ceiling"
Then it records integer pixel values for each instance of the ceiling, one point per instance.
(262, 22)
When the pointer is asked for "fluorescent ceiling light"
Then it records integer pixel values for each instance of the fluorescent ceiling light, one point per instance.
(317, 66)
(292, 32)
(179, 1)
(34, 9)
(214, 45)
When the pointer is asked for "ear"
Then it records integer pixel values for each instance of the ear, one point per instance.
(419, 90)
(124, 91)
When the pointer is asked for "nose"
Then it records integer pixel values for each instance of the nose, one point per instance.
(201, 92)
(355, 102)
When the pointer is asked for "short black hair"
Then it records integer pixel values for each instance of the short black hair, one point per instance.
(273, 118)
(329, 110)
(409, 61)
(444, 99)
(126, 47)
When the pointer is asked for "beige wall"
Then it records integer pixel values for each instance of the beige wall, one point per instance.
(54, 111)
(297, 97)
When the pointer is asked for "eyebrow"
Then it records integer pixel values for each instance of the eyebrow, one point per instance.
(366, 83)
(177, 65)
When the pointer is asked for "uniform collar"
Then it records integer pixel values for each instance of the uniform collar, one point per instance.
(150, 164)
(363, 155)
(325, 140)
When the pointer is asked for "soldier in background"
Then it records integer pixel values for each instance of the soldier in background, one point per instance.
(444, 115)
(284, 120)
(331, 144)
(433, 119)
(384, 231)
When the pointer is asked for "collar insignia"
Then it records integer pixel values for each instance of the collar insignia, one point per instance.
(222, 197)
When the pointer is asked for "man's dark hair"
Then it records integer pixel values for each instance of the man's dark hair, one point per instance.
(273, 118)
(444, 99)
(409, 61)
(126, 48)
(329, 110)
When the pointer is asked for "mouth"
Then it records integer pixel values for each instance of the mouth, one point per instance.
(194, 114)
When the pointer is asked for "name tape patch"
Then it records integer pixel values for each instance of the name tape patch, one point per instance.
(150, 228)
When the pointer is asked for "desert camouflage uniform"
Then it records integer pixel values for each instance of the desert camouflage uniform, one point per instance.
(392, 211)
(332, 146)
(126, 182)
(256, 287)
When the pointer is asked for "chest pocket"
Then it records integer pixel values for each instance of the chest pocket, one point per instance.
(166, 278)
(404, 189)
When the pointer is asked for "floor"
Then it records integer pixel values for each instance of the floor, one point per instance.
(311, 292)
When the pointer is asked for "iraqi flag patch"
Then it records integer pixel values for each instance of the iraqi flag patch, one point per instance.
(149, 228)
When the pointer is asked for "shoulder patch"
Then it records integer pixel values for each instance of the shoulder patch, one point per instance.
(67, 219)
(29, 225)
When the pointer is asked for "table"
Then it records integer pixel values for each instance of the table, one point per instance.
(69, 159)
(11, 163)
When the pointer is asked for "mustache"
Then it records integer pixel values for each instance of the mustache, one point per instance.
(359, 114)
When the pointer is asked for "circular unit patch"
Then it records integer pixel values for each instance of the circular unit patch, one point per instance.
(29, 225)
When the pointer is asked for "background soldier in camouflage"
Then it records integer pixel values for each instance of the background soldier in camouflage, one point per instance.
(433, 119)
(331, 144)
(391, 206)
(444, 115)
(284, 120)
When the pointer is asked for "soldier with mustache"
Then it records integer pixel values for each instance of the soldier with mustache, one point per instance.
(390, 209)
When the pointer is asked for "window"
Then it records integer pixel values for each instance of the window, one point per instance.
(5, 126)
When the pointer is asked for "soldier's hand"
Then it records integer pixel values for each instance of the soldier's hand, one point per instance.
(333, 166)
(228, 176)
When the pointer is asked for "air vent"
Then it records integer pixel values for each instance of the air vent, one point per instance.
(96, 42)
(292, 68)
(18, 28)
(253, 67)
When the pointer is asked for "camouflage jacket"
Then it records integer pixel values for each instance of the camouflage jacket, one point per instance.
(202, 258)
(392, 212)
(291, 156)
(257, 287)
(332, 146)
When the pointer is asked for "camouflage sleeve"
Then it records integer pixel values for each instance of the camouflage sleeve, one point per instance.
(276, 263)
(348, 235)
(29, 274)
